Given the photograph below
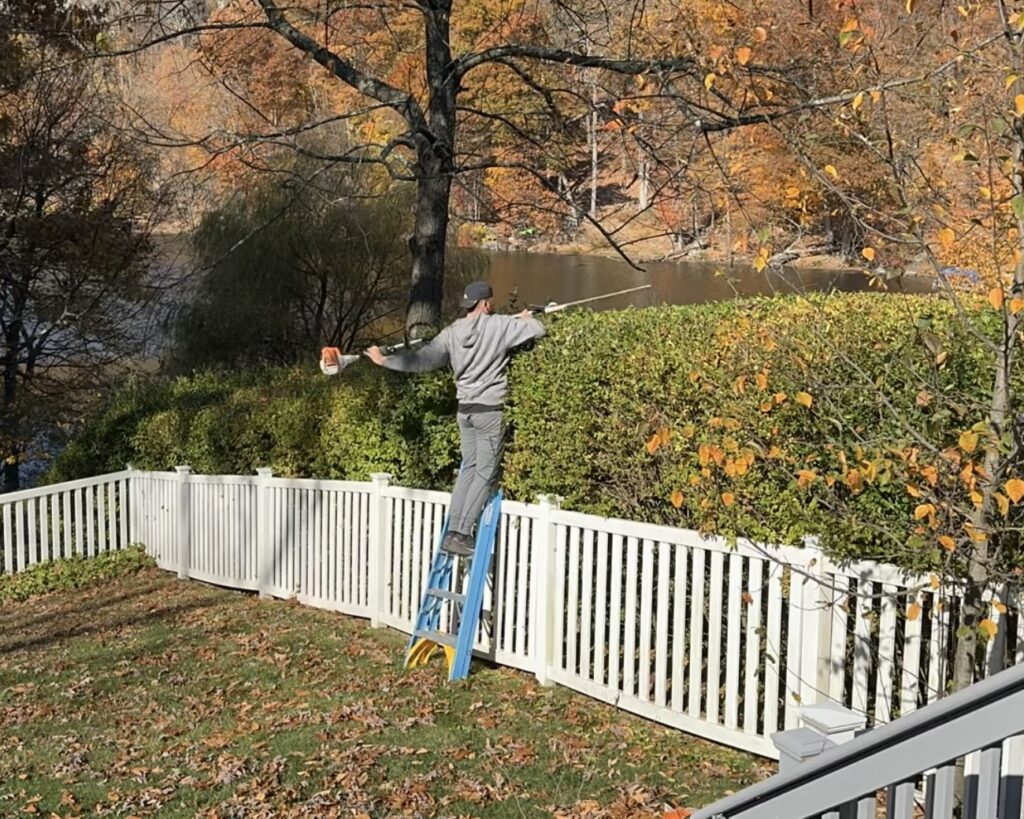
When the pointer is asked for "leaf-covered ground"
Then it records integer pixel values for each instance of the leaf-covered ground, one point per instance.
(150, 696)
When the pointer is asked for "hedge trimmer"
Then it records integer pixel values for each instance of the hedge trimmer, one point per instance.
(332, 361)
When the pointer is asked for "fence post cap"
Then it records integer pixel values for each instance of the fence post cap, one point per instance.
(552, 500)
(381, 477)
(185, 469)
(265, 472)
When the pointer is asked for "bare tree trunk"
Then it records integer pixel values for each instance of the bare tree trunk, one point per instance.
(435, 152)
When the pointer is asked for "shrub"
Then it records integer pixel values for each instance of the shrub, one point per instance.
(73, 573)
(771, 418)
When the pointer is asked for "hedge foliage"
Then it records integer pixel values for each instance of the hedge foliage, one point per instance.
(771, 418)
(73, 573)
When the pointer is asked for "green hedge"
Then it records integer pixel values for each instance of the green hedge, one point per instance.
(718, 382)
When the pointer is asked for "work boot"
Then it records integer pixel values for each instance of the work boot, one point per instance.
(456, 543)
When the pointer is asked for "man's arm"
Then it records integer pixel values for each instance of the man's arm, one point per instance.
(430, 356)
(522, 328)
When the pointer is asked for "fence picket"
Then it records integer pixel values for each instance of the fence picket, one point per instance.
(661, 647)
(715, 594)
(646, 606)
(752, 665)
(733, 630)
(886, 655)
(679, 629)
(629, 643)
(696, 632)
(614, 628)
(773, 650)
(587, 568)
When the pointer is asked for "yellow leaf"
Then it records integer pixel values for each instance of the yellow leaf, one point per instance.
(805, 477)
(923, 510)
(934, 580)
(654, 444)
(743, 55)
(766, 406)
(740, 385)
(677, 499)
(728, 498)
(694, 376)
(792, 192)
(688, 431)
(763, 255)
(779, 397)
(876, 96)
(760, 34)
(1016, 305)
(1018, 104)
(986, 193)
(947, 238)
(989, 627)
(854, 480)
(831, 171)
(1015, 489)
(1002, 502)
(968, 441)
(913, 611)
(762, 381)
(923, 399)
(709, 80)
(940, 359)
(868, 253)
(1010, 81)
(910, 6)
(913, 491)
(1000, 607)
(664, 435)
(849, 25)
(947, 543)
(995, 298)
(803, 398)
(858, 100)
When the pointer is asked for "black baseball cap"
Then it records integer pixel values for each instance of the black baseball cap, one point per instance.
(474, 292)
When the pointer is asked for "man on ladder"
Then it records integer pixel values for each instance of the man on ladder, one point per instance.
(477, 347)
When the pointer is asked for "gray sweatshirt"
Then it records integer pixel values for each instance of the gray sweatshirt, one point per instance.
(478, 349)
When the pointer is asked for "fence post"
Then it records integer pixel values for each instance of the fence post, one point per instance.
(264, 542)
(815, 632)
(184, 522)
(133, 506)
(545, 607)
(379, 524)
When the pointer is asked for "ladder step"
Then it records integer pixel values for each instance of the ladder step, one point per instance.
(447, 595)
(438, 637)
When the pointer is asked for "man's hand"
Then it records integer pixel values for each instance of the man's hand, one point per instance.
(375, 355)
(527, 313)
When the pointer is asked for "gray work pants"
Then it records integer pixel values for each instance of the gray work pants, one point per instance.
(483, 438)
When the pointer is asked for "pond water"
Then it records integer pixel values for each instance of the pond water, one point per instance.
(541, 277)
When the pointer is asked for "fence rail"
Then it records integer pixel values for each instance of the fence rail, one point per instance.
(725, 641)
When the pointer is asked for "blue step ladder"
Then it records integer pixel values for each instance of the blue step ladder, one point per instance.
(444, 595)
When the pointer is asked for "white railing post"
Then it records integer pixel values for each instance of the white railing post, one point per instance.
(814, 633)
(542, 618)
(379, 524)
(184, 522)
(264, 542)
(133, 505)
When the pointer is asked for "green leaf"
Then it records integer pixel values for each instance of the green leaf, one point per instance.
(1017, 203)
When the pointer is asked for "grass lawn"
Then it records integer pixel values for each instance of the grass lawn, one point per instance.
(151, 696)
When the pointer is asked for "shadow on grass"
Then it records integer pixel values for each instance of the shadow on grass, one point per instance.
(82, 625)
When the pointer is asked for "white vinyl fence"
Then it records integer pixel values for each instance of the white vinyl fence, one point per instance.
(723, 641)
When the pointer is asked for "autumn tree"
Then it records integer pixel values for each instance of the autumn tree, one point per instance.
(75, 203)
